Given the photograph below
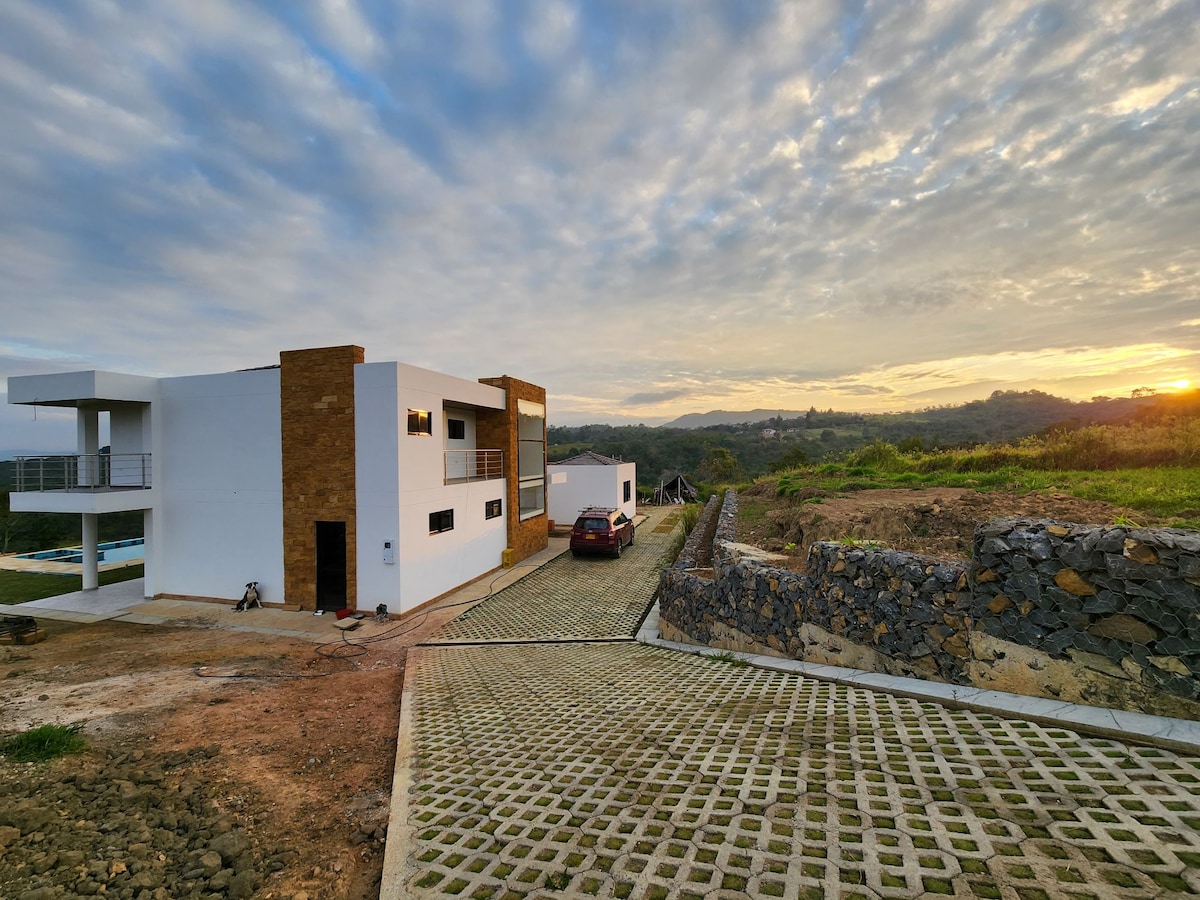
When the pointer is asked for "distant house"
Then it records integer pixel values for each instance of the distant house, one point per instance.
(332, 482)
(590, 479)
(769, 432)
(675, 489)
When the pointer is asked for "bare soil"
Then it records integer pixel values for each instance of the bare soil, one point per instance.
(935, 521)
(299, 743)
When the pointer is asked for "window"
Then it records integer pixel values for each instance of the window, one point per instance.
(531, 459)
(628, 490)
(491, 509)
(456, 429)
(442, 520)
(419, 422)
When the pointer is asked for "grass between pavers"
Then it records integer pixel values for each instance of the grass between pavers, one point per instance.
(21, 587)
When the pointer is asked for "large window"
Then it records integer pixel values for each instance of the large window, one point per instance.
(628, 490)
(531, 458)
(442, 520)
(419, 422)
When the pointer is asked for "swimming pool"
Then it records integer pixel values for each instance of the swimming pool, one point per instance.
(109, 551)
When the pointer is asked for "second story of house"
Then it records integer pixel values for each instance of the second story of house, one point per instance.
(397, 428)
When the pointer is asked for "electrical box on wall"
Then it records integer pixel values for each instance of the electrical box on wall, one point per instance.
(389, 553)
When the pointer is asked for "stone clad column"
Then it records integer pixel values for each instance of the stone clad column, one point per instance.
(316, 406)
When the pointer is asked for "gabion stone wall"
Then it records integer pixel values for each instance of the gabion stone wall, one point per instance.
(690, 554)
(904, 605)
(1107, 616)
(1128, 595)
(726, 527)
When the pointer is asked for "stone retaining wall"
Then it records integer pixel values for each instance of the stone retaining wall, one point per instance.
(1102, 616)
(689, 556)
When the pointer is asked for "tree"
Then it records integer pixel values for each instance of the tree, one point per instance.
(720, 465)
(793, 459)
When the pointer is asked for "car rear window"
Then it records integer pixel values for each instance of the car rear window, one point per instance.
(592, 524)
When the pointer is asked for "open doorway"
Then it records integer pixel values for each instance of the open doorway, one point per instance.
(331, 565)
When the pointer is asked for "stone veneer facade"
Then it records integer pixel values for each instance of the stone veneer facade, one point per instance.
(498, 429)
(316, 406)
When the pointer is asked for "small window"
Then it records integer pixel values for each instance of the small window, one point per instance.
(628, 490)
(440, 521)
(456, 429)
(491, 509)
(419, 422)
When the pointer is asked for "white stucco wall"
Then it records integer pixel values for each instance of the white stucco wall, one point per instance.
(573, 488)
(219, 478)
(400, 481)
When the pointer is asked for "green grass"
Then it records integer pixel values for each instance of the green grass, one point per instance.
(21, 587)
(1166, 492)
(44, 742)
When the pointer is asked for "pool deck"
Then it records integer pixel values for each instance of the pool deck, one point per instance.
(52, 567)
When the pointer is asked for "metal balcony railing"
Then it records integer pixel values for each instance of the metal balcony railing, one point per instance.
(473, 465)
(84, 472)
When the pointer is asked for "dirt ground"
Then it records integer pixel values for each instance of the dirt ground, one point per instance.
(301, 740)
(935, 521)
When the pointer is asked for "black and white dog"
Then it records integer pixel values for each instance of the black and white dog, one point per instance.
(250, 598)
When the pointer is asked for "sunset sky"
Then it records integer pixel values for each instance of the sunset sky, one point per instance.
(650, 208)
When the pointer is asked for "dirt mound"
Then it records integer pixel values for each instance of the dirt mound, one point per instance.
(935, 521)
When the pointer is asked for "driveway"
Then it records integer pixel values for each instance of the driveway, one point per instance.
(544, 753)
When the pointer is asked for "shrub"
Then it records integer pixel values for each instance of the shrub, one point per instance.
(44, 742)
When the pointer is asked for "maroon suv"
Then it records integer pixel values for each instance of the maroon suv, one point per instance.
(601, 531)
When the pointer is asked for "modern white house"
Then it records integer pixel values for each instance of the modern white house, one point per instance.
(590, 479)
(332, 482)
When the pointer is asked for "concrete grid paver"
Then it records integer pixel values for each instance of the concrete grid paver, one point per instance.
(620, 770)
(572, 598)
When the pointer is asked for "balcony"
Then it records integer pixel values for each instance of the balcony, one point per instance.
(86, 473)
(473, 465)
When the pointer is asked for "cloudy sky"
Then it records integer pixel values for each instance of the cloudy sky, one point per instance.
(649, 207)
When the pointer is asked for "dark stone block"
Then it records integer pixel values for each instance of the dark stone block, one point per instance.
(1176, 645)
(1023, 584)
(995, 546)
(1112, 540)
(1104, 601)
(1056, 644)
(1049, 569)
(1178, 685)
(1040, 548)
(1076, 556)
(1179, 594)
(1027, 633)
(1048, 619)
(1121, 567)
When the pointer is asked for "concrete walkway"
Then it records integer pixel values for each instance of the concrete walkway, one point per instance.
(544, 753)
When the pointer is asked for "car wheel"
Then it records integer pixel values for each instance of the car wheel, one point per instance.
(631, 533)
(574, 552)
(619, 547)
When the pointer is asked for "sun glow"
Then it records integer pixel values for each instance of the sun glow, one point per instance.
(1181, 385)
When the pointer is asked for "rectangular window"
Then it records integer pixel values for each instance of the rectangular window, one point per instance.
(531, 459)
(419, 422)
(456, 430)
(628, 490)
(491, 509)
(442, 520)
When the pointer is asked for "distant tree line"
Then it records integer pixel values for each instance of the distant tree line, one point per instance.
(750, 449)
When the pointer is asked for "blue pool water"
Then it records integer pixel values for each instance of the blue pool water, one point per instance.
(110, 551)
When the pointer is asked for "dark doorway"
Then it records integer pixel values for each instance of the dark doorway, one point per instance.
(331, 565)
